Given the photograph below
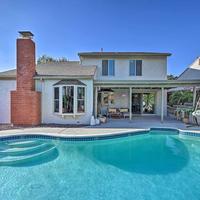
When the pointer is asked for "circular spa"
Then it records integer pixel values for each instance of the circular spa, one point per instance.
(150, 165)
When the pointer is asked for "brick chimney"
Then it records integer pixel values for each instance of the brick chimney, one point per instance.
(25, 101)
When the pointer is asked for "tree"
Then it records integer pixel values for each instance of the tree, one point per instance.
(48, 59)
(180, 97)
(171, 77)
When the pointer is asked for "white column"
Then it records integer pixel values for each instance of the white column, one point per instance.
(130, 103)
(194, 96)
(95, 101)
(141, 103)
(162, 104)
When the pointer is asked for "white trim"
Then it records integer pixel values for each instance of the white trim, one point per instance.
(130, 103)
(162, 104)
(75, 112)
(194, 96)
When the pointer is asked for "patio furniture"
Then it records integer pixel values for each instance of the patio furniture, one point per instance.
(113, 113)
(124, 112)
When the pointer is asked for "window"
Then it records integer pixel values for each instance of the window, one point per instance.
(132, 67)
(135, 67)
(108, 67)
(138, 68)
(68, 99)
(56, 99)
(80, 99)
(72, 101)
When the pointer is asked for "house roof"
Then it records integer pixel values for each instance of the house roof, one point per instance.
(123, 54)
(192, 72)
(62, 69)
(69, 82)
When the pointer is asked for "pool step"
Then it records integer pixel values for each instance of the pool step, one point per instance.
(14, 160)
(23, 143)
(17, 151)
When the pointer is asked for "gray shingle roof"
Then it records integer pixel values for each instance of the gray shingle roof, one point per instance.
(65, 69)
(192, 72)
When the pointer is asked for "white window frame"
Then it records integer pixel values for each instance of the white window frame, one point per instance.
(135, 61)
(80, 86)
(54, 99)
(75, 101)
(108, 72)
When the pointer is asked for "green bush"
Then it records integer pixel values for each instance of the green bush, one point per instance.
(180, 97)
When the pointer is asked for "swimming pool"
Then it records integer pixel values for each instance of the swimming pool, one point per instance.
(151, 165)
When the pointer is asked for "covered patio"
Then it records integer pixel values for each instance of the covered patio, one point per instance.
(129, 89)
(145, 122)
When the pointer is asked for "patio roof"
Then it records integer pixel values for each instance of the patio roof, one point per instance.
(147, 83)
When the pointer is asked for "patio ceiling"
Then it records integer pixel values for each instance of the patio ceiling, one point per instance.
(147, 83)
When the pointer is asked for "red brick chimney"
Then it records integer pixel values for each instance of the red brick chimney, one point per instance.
(25, 101)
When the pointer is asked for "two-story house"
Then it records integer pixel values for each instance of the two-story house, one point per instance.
(128, 80)
(111, 84)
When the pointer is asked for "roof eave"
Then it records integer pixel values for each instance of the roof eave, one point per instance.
(88, 54)
(7, 77)
(148, 83)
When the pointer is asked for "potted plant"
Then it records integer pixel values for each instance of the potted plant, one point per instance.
(178, 114)
(187, 113)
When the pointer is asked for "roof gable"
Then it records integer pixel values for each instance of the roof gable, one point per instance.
(192, 72)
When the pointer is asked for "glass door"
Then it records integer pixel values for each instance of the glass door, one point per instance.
(136, 103)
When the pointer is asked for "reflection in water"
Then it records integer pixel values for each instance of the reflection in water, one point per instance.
(149, 155)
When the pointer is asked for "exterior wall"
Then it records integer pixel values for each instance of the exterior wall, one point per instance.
(48, 116)
(153, 68)
(5, 87)
(121, 98)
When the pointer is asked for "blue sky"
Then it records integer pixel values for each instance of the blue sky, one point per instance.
(63, 28)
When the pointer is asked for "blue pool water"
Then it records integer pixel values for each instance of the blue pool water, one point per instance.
(143, 167)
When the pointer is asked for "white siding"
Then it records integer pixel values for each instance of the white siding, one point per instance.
(153, 68)
(5, 87)
(48, 116)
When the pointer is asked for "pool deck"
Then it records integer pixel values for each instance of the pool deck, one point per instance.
(113, 126)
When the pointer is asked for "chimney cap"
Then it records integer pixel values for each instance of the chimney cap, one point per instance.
(26, 34)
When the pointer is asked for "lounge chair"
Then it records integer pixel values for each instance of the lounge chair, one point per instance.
(113, 112)
(124, 112)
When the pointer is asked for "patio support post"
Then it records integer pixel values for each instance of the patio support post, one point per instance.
(95, 101)
(162, 104)
(141, 104)
(194, 96)
(130, 103)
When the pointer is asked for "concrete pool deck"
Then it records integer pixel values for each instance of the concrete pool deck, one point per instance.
(113, 126)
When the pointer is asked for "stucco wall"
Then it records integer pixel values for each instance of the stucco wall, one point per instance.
(153, 68)
(121, 98)
(48, 116)
(5, 87)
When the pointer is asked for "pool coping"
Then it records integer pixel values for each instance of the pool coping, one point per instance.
(91, 137)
